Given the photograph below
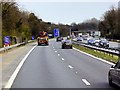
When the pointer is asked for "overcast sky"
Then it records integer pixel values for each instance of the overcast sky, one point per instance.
(67, 12)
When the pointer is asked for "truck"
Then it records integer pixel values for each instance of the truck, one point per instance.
(42, 38)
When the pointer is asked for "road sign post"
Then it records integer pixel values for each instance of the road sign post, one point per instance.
(33, 38)
(6, 42)
(56, 32)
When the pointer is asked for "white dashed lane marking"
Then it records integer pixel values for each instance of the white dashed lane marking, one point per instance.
(86, 82)
(55, 51)
(58, 54)
(63, 59)
(76, 72)
(70, 66)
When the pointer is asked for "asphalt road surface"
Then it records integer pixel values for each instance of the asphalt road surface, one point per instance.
(114, 44)
(53, 67)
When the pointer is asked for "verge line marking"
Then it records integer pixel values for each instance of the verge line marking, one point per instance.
(15, 73)
(86, 82)
(100, 59)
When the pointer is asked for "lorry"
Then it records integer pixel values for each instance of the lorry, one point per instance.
(42, 38)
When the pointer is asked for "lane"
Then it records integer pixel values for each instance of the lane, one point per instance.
(86, 67)
(45, 69)
(53, 67)
(114, 44)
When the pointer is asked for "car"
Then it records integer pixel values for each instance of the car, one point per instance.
(74, 39)
(91, 41)
(114, 74)
(79, 39)
(104, 43)
(66, 44)
(84, 37)
(94, 41)
(59, 39)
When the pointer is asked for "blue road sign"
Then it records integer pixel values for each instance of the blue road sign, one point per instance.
(33, 37)
(56, 32)
(6, 40)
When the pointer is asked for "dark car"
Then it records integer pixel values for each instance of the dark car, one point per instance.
(66, 44)
(91, 41)
(59, 39)
(104, 43)
(114, 75)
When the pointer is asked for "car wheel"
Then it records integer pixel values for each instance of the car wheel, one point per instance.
(70, 47)
(47, 43)
(63, 47)
(110, 80)
(39, 44)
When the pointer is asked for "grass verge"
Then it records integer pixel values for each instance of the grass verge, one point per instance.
(106, 56)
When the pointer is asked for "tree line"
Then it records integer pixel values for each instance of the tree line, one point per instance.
(110, 24)
(91, 24)
(22, 25)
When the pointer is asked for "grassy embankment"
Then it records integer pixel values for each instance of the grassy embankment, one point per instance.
(108, 57)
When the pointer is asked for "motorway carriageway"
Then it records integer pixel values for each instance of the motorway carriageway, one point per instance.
(53, 67)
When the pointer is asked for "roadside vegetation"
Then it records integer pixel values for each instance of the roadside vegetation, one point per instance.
(21, 25)
(108, 57)
(109, 24)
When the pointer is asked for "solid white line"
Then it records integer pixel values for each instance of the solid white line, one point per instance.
(86, 82)
(94, 57)
(63, 59)
(58, 54)
(70, 66)
(12, 78)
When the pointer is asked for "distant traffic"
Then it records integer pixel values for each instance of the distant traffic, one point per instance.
(94, 41)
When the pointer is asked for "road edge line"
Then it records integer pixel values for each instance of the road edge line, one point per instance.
(15, 73)
(100, 59)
